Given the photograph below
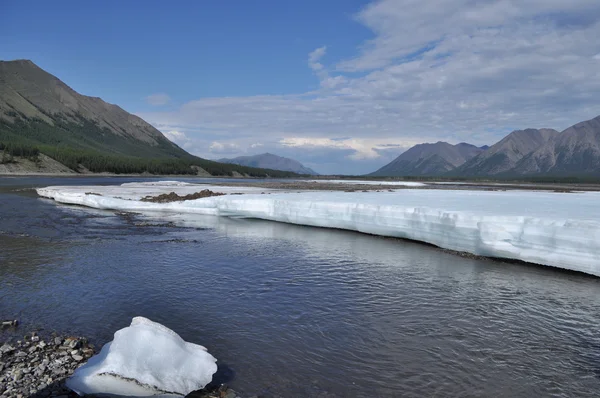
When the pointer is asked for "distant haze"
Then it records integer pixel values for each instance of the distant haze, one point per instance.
(270, 161)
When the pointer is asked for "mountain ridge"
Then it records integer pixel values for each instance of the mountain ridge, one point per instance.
(530, 152)
(40, 114)
(429, 159)
(574, 150)
(504, 155)
(28, 92)
(270, 161)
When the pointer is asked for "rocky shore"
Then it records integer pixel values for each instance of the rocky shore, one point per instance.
(38, 367)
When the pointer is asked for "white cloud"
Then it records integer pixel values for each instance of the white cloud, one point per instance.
(158, 99)
(223, 148)
(176, 136)
(452, 70)
(314, 57)
(360, 148)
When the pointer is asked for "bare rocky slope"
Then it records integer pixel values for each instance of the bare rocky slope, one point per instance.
(429, 160)
(574, 151)
(24, 166)
(503, 156)
(31, 96)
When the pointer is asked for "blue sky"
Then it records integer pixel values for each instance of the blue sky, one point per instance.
(125, 51)
(344, 86)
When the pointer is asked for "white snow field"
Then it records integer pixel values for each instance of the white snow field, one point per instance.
(548, 228)
(145, 359)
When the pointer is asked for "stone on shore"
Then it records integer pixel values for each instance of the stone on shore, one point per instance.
(33, 367)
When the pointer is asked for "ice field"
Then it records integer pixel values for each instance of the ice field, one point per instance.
(549, 228)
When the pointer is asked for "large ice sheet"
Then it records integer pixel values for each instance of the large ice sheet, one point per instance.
(145, 359)
(555, 229)
(138, 190)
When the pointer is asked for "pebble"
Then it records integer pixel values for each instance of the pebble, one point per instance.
(36, 368)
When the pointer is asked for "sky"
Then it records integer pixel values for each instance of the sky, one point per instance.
(343, 86)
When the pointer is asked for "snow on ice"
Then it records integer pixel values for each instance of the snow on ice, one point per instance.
(548, 228)
(145, 359)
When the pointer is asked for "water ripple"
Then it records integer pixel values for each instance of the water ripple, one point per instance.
(297, 311)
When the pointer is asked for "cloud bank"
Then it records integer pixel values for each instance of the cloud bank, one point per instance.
(157, 99)
(434, 70)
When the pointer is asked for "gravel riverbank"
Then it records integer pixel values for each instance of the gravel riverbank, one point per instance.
(34, 367)
(38, 367)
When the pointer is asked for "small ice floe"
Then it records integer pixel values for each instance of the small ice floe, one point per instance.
(145, 359)
(9, 323)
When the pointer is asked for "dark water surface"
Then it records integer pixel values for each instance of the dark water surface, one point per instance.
(296, 311)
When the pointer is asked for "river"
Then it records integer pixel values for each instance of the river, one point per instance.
(298, 311)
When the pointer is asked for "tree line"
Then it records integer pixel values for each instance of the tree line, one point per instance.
(97, 149)
(96, 162)
(11, 150)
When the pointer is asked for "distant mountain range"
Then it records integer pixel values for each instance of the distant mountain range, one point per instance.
(504, 156)
(574, 151)
(270, 161)
(529, 152)
(429, 160)
(38, 112)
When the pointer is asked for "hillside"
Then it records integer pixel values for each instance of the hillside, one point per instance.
(574, 151)
(24, 166)
(44, 109)
(503, 156)
(38, 111)
(530, 153)
(270, 161)
(429, 160)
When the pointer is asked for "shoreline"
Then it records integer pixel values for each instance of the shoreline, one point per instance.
(312, 183)
(80, 175)
(37, 366)
(371, 185)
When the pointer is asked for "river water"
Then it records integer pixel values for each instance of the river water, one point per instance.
(296, 311)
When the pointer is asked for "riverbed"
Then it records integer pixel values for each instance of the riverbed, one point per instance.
(299, 311)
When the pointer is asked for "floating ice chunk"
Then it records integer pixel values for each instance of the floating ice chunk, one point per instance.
(145, 359)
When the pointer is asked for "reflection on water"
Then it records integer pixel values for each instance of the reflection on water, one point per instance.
(298, 311)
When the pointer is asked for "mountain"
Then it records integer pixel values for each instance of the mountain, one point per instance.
(41, 115)
(270, 161)
(574, 151)
(45, 110)
(503, 156)
(429, 160)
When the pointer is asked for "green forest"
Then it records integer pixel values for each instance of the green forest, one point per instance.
(85, 144)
